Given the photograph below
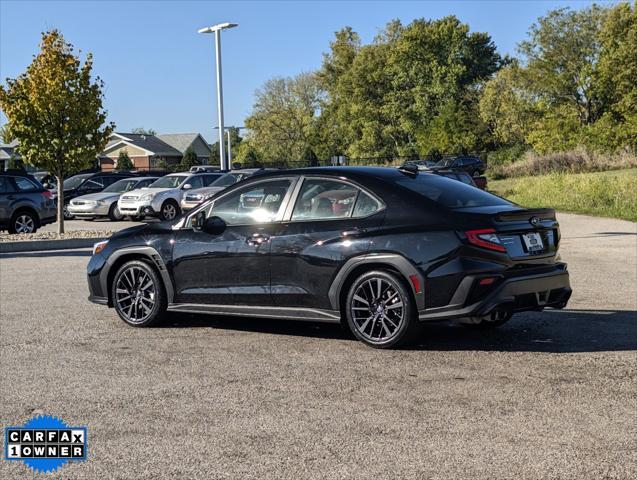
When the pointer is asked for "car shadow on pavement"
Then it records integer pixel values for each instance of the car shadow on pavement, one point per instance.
(552, 331)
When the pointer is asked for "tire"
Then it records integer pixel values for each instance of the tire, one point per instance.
(380, 310)
(494, 320)
(169, 210)
(114, 214)
(67, 215)
(138, 294)
(23, 221)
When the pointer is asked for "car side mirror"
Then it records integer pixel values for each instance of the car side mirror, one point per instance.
(187, 187)
(214, 225)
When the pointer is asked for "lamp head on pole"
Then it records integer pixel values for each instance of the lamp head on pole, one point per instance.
(219, 26)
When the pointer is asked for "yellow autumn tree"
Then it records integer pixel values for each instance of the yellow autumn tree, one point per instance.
(55, 111)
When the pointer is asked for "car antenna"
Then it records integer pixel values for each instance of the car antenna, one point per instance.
(409, 169)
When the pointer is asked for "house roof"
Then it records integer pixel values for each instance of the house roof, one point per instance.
(181, 141)
(150, 143)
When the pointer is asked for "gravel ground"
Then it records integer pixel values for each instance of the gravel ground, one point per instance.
(21, 237)
(547, 396)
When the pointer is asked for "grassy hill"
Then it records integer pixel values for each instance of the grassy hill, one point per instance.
(606, 194)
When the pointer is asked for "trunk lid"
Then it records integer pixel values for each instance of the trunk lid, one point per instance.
(525, 233)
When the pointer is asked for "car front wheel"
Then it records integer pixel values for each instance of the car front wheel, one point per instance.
(138, 294)
(169, 210)
(380, 310)
(114, 214)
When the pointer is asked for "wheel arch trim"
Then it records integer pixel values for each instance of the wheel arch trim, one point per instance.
(150, 254)
(396, 261)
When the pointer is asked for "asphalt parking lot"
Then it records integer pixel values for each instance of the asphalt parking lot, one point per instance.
(549, 395)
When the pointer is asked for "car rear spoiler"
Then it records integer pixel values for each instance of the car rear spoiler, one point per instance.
(525, 213)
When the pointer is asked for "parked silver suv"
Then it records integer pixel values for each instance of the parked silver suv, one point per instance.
(25, 205)
(161, 198)
(194, 197)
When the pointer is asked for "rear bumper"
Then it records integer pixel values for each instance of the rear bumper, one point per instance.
(514, 294)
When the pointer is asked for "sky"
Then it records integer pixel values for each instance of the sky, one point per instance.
(159, 72)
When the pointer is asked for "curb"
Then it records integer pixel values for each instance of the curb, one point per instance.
(42, 245)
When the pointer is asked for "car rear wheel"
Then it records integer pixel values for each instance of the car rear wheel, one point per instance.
(114, 214)
(23, 222)
(169, 210)
(138, 294)
(380, 311)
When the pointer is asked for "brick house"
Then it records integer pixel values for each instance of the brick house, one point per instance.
(149, 152)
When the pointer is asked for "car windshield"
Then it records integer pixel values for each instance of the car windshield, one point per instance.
(225, 181)
(122, 185)
(450, 193)
(74, 182)
(169, 181)
(445, 162)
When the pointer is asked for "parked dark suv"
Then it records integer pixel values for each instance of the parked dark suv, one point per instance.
(380, 249)
(25, 205)
(86, 183)
(474, 166)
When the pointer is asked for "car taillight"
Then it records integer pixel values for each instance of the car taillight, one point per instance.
(48, 195)
(485, 238)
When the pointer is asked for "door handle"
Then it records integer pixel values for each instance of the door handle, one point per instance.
(11, 197)
(258, 239)
(354, 232)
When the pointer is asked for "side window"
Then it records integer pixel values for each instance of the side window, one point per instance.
(144, 183)
(195, 181)
(106, 181)
(257, 203)
(24, 184)
(208, 179)
(365, 205)
(5, 185)
(95, 183)
(321, 199)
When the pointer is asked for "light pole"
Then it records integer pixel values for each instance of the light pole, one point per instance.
(216, 29)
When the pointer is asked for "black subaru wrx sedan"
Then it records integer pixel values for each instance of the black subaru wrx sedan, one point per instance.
(380, 249)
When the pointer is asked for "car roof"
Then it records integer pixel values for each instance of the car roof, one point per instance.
(384, 173)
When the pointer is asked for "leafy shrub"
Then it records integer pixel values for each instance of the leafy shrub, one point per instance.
(573, 161)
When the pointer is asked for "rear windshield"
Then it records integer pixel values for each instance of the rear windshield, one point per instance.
(450, 193)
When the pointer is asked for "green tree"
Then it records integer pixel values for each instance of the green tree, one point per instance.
(6, 136)
(284, 116)
(561, 57)
(55, 111)
(248, 155)
(617, 74)
(189, 160)
(506, 108)
(124, 163)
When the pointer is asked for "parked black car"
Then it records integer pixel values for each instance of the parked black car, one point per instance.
(25, 205)
(86, 183)
(474, 166)
(381, 249)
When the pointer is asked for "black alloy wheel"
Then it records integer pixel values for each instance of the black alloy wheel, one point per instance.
(138, 294)
(380, 310)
